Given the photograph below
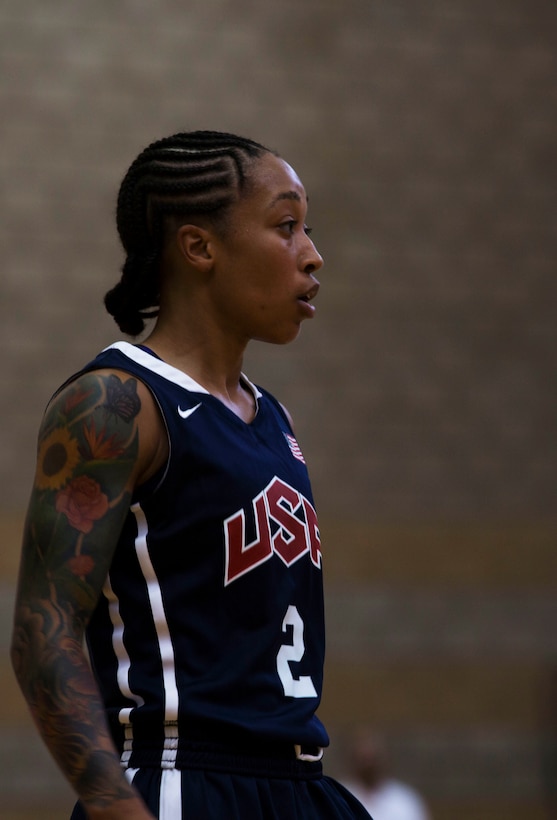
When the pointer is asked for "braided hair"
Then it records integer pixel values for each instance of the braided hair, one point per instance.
(182, 177)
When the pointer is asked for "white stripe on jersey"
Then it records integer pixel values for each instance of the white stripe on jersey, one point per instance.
(170, 805)
(120, 652)
(170, 795)
(159, 616)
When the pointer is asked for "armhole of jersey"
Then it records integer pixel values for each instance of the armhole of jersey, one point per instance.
(278, 406)
(153, 484)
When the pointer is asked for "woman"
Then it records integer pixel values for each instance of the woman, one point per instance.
(172, 521)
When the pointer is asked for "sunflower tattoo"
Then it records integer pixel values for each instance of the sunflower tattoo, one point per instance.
(57, 458)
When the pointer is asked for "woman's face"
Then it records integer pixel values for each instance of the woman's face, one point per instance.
(265, 263)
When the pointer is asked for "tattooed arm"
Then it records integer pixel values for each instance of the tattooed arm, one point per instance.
(101, 436)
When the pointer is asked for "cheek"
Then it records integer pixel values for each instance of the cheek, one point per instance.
(258, 278)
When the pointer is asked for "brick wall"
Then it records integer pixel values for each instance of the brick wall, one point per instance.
(423, 393)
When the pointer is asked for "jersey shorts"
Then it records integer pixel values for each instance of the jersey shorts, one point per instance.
(221, 785)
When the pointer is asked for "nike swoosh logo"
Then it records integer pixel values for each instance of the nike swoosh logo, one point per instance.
(185, 414)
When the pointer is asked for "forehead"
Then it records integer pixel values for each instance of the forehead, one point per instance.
(272, 178)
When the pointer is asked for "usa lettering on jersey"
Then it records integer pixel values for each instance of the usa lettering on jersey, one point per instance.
(295, 531)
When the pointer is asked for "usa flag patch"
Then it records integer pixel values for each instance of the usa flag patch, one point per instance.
(294, 448)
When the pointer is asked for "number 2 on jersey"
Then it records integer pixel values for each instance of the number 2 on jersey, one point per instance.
(301, 687)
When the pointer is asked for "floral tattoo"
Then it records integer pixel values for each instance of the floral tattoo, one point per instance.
(88, 447)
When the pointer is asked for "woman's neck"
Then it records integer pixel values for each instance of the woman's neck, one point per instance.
(214, 366)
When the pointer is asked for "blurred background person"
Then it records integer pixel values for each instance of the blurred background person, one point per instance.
(369, 779)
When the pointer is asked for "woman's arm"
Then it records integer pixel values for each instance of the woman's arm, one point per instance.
(100, 437)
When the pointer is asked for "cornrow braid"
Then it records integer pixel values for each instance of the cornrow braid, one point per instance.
(201, 173)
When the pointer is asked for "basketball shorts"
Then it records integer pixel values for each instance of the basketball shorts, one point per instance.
(220, 785)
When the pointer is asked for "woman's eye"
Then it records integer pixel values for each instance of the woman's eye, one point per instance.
(289, 225)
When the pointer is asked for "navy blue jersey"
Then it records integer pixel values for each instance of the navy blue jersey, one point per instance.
(210, 624)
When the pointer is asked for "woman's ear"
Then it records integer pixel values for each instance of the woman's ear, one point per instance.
(194, 243)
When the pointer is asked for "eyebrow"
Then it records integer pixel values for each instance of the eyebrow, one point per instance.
(287, 195)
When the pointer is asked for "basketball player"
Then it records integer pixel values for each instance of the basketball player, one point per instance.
(172, 519)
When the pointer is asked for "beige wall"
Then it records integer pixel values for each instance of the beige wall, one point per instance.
(424, 392)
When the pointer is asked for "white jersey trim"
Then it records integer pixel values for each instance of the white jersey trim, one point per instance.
(124, 663)
(159, 616)
(170, 800)
(167, 371)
